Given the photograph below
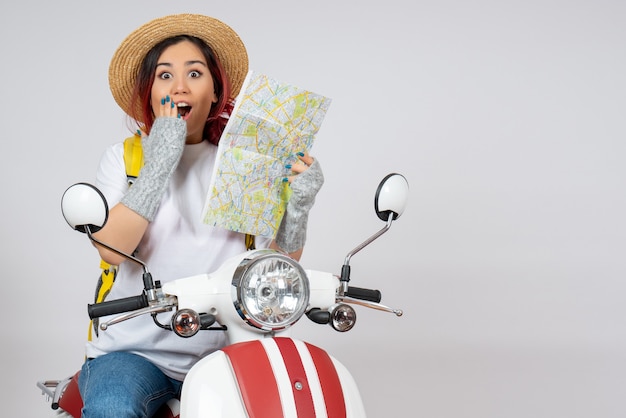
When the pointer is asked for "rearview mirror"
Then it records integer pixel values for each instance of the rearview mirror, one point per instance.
(391, 196)
(84, 206)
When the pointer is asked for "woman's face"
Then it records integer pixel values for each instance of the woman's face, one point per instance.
(183, 75)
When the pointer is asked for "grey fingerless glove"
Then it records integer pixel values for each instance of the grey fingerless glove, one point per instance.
(162, 151)
(291, 234)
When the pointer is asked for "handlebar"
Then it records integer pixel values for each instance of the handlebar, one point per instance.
(96, 310)
(370, 295)
(133, 303)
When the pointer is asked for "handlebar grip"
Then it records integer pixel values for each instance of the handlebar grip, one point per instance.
(370, 295)
(96, 310)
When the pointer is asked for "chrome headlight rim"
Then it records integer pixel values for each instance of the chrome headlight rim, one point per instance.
(241, 278)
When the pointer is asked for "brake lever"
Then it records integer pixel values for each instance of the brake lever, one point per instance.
(165, 304)
(373, 305)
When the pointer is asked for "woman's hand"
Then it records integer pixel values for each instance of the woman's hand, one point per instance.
(303, 163)
(167, 109)
(305, 185)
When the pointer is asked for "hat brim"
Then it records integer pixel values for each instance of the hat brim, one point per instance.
(128, 57)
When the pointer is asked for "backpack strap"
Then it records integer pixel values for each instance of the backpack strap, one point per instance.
(249, 239)
(103, 287)
(133, 157)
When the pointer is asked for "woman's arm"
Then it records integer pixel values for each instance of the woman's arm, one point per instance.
(129, 219)
(296, 255)
(305, 184)
(123, 231)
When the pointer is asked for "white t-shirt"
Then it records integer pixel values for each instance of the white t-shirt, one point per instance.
(176, 244)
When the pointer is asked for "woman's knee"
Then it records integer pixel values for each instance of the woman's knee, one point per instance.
(122, 385)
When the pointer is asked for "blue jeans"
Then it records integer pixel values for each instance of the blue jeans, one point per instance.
(124, 385)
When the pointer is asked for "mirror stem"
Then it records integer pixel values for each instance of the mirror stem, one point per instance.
(345, 270)
(148, 283)
(116, 251)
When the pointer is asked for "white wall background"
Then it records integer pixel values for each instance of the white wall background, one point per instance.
(507, 118)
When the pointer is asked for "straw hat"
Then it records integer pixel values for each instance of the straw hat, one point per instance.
(224, 41)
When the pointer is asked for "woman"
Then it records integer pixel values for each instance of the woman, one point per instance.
(176, 76)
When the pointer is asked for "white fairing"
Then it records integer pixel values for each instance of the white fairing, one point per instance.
(210, 389)
(352, 396)
(211, 293)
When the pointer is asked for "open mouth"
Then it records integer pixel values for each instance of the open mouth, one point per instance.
(183, 110)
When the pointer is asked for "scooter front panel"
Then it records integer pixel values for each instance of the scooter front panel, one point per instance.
(255, 379)
(270, 378)
(332, 391)
(301, 381)
(210, 390)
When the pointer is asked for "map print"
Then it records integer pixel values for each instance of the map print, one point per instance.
(271, 122)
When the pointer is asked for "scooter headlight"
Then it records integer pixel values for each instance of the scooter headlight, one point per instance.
(270, 290)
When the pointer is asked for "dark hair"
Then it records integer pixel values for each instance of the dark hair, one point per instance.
(220, 111)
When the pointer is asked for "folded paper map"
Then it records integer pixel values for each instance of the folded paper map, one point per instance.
(270, 124)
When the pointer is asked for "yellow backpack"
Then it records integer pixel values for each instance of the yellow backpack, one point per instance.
(133, 160)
